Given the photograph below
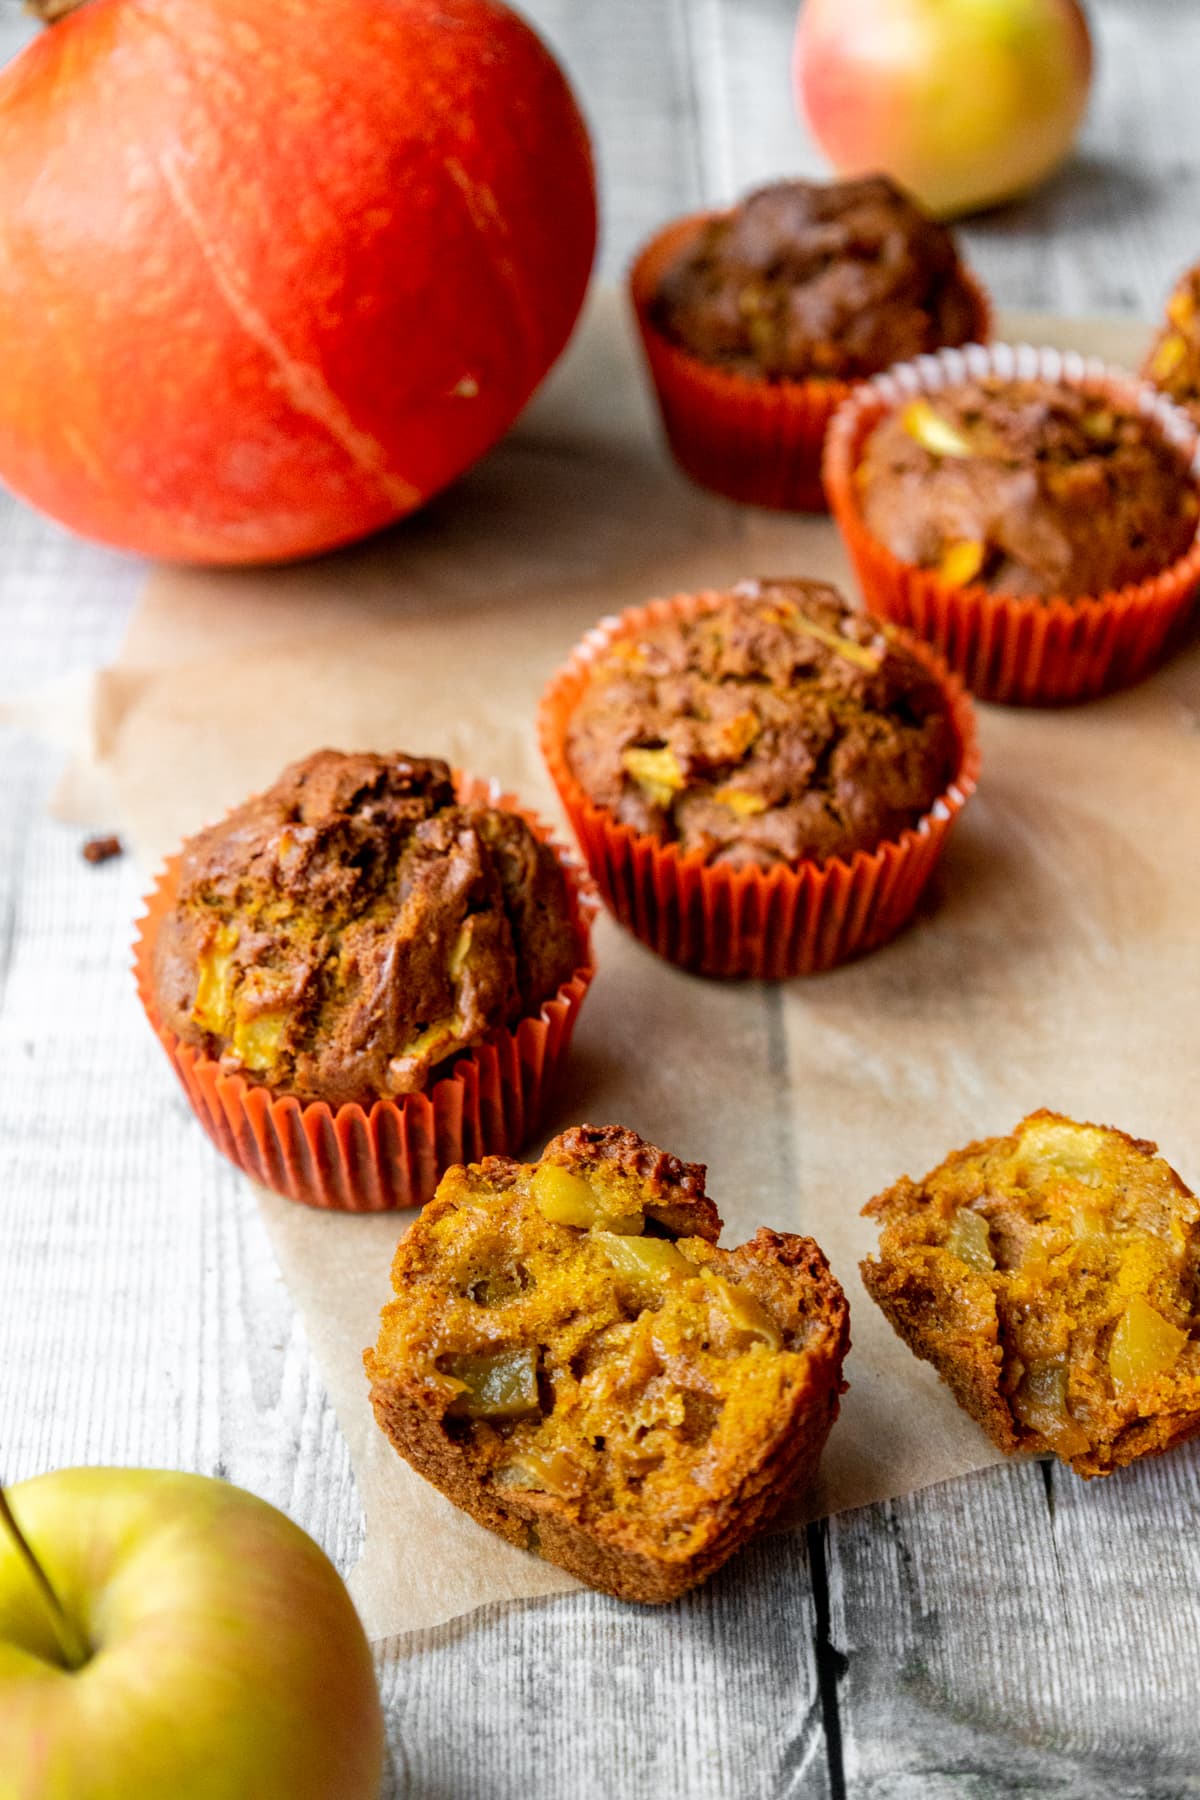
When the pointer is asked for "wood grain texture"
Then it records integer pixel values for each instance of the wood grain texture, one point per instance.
(1016, 1633)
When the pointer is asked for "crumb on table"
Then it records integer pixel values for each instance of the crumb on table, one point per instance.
(102, 849)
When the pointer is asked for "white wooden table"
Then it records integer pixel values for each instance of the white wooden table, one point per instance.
(1010, 1634)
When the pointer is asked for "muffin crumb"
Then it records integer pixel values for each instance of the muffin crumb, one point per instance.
(101, 849)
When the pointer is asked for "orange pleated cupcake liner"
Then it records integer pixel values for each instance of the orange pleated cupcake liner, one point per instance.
(720, 921)
(354, 1159)
(756, 441)
(1021, 651)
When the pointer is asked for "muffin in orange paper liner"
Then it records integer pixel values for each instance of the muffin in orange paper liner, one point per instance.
(1044, 646)
(380, 1151)
(741, 907)
(758, 437)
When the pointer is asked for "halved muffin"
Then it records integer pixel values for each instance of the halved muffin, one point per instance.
(1052, 1278)
(571, 1359)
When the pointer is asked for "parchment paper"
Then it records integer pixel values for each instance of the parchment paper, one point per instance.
(1056, 964)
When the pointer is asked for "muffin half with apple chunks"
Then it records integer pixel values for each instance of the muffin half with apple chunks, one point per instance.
(572, 1360)
(1052, 1278)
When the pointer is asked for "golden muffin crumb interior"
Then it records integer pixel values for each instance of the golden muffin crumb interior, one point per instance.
(571, 1357)
(1053, 1280)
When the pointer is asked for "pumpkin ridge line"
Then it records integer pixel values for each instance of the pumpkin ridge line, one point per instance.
(303, 385)
(488, 221)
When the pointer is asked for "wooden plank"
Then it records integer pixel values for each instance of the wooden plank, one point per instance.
(16, 29)
(1020, 1632)
(583, 1697)
(1113, 230)
(752, 131)
(629, 65)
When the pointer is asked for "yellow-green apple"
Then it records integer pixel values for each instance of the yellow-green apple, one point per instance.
(170, 1637)
(963, 102)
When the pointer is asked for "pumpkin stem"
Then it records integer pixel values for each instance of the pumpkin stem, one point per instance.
(50, 11)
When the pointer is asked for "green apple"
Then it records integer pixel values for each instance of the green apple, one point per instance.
(169, 1637)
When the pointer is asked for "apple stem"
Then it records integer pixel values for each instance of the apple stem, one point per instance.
(71, 1645)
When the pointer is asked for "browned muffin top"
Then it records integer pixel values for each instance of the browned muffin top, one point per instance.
(778, 726)
(1174, 362)
(813, 279)
(1027, 487)
(340, 935)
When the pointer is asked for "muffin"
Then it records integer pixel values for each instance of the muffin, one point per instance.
(1027, 487)
(726, 758)
(756, 320)
(1052, 1278)
(810, 280)
(362, 935)
(778, 726)
(571, 1359)
(1174, 362)
(1032, 515)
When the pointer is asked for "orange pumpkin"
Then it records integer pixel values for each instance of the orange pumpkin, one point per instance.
(272, 272)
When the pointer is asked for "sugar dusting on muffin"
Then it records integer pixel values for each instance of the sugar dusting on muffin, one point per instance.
(341, 935)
